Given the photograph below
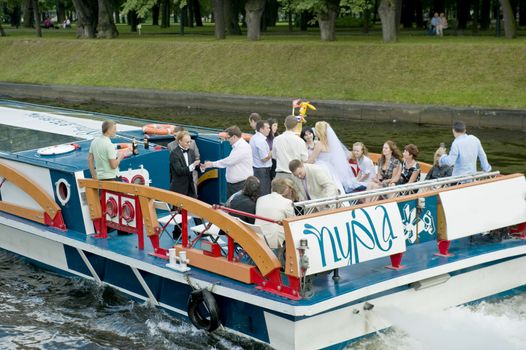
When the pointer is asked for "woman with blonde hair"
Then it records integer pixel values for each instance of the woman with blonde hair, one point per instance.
(365, 170)
(332, 154)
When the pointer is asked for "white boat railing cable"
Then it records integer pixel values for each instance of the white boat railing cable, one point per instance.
(395, 191)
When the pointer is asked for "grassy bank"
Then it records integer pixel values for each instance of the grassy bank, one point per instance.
(453, 70)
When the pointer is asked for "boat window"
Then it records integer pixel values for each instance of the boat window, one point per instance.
(15, 139)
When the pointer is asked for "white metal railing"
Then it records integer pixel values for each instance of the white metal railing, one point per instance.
(349, 199)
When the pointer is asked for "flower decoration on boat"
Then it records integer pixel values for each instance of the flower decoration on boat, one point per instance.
(303, 106)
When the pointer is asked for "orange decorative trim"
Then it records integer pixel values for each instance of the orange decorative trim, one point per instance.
(30, 214)
(35, 191)
(95, 210)
(255, 246)
(220, 265)
(149, 215)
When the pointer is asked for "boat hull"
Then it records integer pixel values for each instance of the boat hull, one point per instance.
(336, 321)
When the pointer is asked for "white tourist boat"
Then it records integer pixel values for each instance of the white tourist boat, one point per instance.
(330, 288)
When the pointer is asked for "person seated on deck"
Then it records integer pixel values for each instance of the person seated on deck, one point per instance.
(362, 165)
(245, 200)
(275, 206)
(410, 167)
(389, 168)
(438, 171)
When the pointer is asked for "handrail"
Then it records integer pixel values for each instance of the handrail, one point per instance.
(51, 214)
(244, 213)
(399, 189)
(255, 246)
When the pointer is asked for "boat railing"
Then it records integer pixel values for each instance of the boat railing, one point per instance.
(265, 271)
(350, 199)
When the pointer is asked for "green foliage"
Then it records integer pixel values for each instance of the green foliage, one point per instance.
(142, 7)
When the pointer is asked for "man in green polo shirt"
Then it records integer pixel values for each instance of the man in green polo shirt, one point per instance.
(103, 158)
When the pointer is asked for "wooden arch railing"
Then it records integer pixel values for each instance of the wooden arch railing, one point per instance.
(254, 246)
(50, 215)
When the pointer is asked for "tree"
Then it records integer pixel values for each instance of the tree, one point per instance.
(326, 13)
(387, 12)
(87, 18)
(106, 27)
(510, 26)
(36, 17)
(219, 18)
(254, 10)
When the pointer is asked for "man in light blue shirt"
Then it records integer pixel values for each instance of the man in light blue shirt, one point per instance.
(261, 156)
(464, 153)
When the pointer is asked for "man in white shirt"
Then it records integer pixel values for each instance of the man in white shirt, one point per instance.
(261, 156)
(276, 206)
(286, 147)
(238, 164)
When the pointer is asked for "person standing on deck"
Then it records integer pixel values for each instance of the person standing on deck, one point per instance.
(193, 146)
(253, 119)
(286, 147)
(261, 156)
(238, 164)
(464, 152)
(103, 158)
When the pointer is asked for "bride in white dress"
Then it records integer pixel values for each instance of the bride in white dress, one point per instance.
(330, 153)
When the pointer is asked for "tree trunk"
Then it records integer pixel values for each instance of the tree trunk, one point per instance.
(28, 14)
(231, 13)
(408, 13)
(462, 14)
(61, 12)
(475, 18)
(2, 32)
(366, 27)
(419, 19)
(15, 16)
(398, 17)
(510, 26)
(522, 12)
(485, 9)
(327, 20)
(387, 12)
(86, 18)
(197, 13)
(219, 19)
(133, 20)
(165, 13)
(254, 9)
(190, 14)
(155, 14)
(106, 27)
(36, 17)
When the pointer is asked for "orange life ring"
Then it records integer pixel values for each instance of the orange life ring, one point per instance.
(123, 148)
(245, 136)
(158, 129)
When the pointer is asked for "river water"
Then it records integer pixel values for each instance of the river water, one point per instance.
(42, 310)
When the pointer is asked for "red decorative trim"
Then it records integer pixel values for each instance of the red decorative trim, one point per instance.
(127, 211)
(57, 221)
(111, 207)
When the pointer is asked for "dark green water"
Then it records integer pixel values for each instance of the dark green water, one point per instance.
(506, 149)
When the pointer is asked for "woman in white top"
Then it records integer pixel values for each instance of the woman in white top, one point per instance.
(366, 170)
(332, 154)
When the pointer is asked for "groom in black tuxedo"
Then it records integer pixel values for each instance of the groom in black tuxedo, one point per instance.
(182, 163)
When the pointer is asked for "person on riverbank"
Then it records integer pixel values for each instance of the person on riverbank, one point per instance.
(261, 156)
(238, 164)
(464, 152)
(103, 158)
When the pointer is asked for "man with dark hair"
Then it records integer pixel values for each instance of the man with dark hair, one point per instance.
(464, 152)
(253, 119)
(261, 155)
(238, 164)
(245, 200)
(286, 147)
(312, 180)
(103, 158)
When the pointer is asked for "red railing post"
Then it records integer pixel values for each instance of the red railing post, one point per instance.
(184, 227)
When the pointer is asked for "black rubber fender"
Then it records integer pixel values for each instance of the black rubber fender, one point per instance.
(199, 318)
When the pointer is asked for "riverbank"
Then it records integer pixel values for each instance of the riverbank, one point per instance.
(458, 71)
(271, 106)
